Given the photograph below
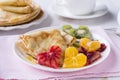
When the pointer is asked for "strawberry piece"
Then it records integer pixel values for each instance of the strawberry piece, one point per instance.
(55, 49)
(102, 48)
(42, 58)
(95, 57)
(50, 58)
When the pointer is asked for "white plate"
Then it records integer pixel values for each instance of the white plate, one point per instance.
(95, 36)
(100, 10)
(26, 25)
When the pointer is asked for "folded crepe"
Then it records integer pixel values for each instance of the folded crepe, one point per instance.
(40, 41)
(20, 10)
(15, 2)
(10, 18)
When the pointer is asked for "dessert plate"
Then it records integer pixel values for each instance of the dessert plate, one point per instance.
(26, 25)
(100, 10)
(95, 36)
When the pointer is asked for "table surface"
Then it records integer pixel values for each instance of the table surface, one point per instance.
(107, 21)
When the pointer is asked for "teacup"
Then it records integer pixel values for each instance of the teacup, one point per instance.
(78, 7)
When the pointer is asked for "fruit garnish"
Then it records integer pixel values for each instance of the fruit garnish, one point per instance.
(80, 32)
(93, 46)
(55, 50)
(68, 29)
(73, 59)
(82, 50)
(102, 48)
(83, 32)
(83, 43)
(31, 59)
(94, 57)
(71, 52)
(76, 44)
(89, 45)
(91, 56)
(77, 61)
(50, 58)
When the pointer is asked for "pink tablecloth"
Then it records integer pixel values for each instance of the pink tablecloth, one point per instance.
(13, 68)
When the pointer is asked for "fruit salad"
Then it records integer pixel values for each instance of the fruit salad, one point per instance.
(84, 51)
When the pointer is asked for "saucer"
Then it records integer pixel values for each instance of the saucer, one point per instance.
(100, 10)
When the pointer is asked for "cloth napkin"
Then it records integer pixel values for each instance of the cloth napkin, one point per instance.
(13, 68)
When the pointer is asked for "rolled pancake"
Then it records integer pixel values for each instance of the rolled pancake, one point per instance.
(20, 10)
(15, 2)
(9, 18)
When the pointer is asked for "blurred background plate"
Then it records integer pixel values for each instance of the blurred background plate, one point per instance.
(26, 25)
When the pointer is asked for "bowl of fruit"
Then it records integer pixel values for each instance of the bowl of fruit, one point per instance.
(64, 49)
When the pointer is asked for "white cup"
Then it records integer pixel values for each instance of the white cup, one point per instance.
(78, 7)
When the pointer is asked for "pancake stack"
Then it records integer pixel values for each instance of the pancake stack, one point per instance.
(15, 12)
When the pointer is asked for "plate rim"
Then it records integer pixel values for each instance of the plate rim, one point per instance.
(62, 70)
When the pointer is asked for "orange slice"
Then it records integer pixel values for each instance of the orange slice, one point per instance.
(83, 43)
(75, 62)
(30, 59)
(93, 46)
(89, 45)
(71, 52)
